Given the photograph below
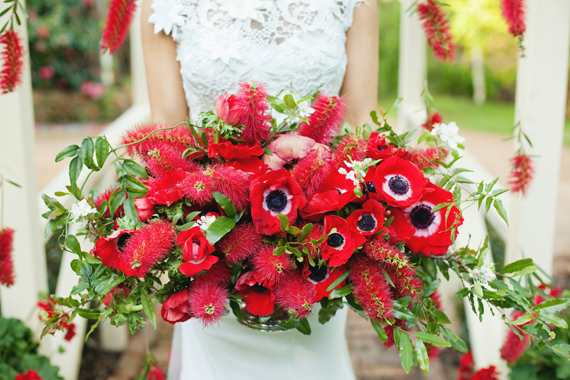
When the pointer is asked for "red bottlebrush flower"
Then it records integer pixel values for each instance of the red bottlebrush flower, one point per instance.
(6, 263)
(349, 145)
(119, 18)
(274, 193)
(111, 249)
(436, 28)
(399, 182)
(219, 274)
(466, 366)
(521, 173)
(256, 292)
(199, 187)
(252, 99)
(70, 333)
(207, 302)
(489, 373)
(513, 13)
(325, 121)
(270, 266)
(234, 184)
(229, 151)
(424, 231)
(240, 243)
(401, 323)
(228, 108)
(167, 189)
(196, 251)
(29, 375)
(426, 157)
(378, 148)
(323, 277)
(155, 373)
(336, 193)
(152, 242)
(120, 290)
(432, 119)
(513, 347)
(163, 158)
(294, 293)
(145, 208)
(370, 219)
(12, 58)
(340, 245)
(371, 289)
(311, 172)
(179, 137)
(176, 307)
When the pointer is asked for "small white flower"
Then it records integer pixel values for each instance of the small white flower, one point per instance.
(205, 222)
(80, 209)
(484, 274)
(448, 133)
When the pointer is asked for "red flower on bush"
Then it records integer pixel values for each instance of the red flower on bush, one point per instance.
(336, 193)
(274, 193)
(522, 172)
(29, 375)
(432, 119)
(513, 13)
(326, 120)
(196, 251)
(424, 231)
(323, 277)
(436, 28)
(119, 18)
(256, 292)
(370, 219)
(228, 108)
(399, 182)
(378, 147)
(252, 99)
(340, 244)
(12, 58)
(6, 263)
(176, 307)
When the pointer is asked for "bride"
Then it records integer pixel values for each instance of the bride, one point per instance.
(194, 50)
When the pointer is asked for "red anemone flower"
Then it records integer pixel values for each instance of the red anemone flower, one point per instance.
(253, 166)
(399, 182)
(196, 251)
(370, 219)
(256, 292)
(110, 249)
(323, 277)
(424, 231)
(274, 193)
(379, 148)
(176, 307)
(229, 151)
(336, 193)
(166, 190)
(341, 244)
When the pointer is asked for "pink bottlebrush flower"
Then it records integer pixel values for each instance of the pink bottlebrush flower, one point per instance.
(234, 184)
(350, 145)
(12, 58)
(199, 187)
(521, 173)
(436, 28)
(180, 137)
(513, 13)
(295, 293)
(207, 301)
(240, 243)
(270, 266)
(252, 99)
(147, 247)
(219, 274)
(325, 121)
(371, 289)
(513, 347)
(119, 18)
(426, 157)
(6, 263)
(164, 158)
(311, 172)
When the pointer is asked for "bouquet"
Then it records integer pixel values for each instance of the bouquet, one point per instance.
(276, 218)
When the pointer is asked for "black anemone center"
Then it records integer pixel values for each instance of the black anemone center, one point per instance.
(318, 274)
(290, 165)
(259, 289)
(335, 240)
(381, 148)
(338, 190)
(367, 223)
(422, 217)
(122, 241)
(399, 184)
(371, 187)
(276, 200)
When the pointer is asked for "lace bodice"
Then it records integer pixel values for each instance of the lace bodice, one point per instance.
(298, 45)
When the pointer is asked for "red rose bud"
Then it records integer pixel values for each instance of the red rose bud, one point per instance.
(111, 249)
(270, 266)
(6, 263)
(513, 13)
(12, 59)
(228, 108)
(252, 99)
(176, 307)
(274, 193)
(436, 28)
(119, 18)
(121, 291)
(399, 182)
(196, 251)
(322, 277)
(379, 148)
(370, 219)
(145, 208)
(29, 375)
(256, 292)
(240, 243)
(340, 244)
(422, 230)
(324, 123)
(207, 302)
(371, 289)
(294, 293)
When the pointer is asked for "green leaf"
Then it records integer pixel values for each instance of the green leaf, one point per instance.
(341, 278)
(135, 169)
(236, 310)
(148, 308)
(134, 187)
(116, 200)
(284, 219)
(131, 211)
(516, 266)
(394, 105)
(553, 306)
(553, 320)
(225, 203)
(442, 317)
(289, 101)
(89, 313)
(326, 313)
(70, 151)
(191, 216)
(380, 331)
(491, 184)
(303, 326)
(219, 228)
(432, 339)
(456, 342)
(522, 319)
(307, 229)
(102, 150)
(75, 167)
(406, 349)
(87, 150)
(498, 204)
(53, 204)
(72, 243)
(338, 293)
(422, 355)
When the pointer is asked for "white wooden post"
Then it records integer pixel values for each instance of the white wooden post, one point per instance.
(540, 108)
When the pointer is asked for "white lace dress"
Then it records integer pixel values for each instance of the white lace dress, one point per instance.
(298, 45)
